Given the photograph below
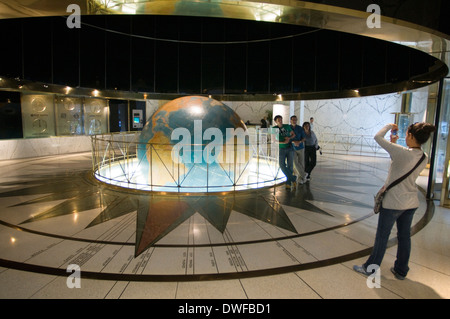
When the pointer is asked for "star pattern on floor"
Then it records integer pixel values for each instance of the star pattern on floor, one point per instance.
(158, 214)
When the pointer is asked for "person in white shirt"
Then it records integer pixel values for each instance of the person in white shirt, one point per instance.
(401, 201)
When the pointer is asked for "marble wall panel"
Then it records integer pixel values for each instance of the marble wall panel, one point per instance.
(351, 116)
(36, 147)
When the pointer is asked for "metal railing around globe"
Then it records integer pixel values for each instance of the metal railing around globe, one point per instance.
(349, 144)
(120, 159)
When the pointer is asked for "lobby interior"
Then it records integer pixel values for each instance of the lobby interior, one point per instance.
(315, 59)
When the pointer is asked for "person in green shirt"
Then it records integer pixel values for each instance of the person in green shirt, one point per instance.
(286, 153)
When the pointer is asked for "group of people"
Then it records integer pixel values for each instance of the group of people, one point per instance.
(298, 150)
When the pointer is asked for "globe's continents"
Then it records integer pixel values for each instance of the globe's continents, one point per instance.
(184, 146)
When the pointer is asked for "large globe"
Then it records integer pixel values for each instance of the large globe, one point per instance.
(184, 146)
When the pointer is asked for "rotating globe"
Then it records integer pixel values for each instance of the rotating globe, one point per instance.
(193, 143)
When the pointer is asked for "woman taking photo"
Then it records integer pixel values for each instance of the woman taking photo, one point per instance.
(401, 201)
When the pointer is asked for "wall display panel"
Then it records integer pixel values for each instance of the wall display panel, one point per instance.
(38, 115)
(69, 117)
(95, 116)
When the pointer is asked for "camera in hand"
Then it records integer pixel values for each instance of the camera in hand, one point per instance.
(319, 149)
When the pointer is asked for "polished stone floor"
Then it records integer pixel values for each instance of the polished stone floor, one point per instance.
(269, 243)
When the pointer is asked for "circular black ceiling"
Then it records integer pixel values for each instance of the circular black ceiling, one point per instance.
(226, 58)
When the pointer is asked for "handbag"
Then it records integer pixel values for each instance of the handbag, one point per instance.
(382, 192)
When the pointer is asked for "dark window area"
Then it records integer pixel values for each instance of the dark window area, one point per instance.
(118, 115)
(166, 55)
(37, 49)
(92, 52)
(66, 46)
(374, 62)
(10, 115)
(304, 63)
(327, 67)
(142, 63)
(11, 48)
(351, 62)
(117, 53)
(196, 55)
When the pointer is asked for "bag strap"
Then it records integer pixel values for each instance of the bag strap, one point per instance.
(407, 174)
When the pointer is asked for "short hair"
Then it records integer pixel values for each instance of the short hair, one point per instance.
(293, 116)
(276, 117)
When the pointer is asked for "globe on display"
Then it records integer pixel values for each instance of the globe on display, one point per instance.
(191, 143)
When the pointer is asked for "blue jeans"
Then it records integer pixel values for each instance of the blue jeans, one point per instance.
(386, 220)
(286, 161)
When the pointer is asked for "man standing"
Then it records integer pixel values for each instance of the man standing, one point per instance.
(286, 154)
(299, 150)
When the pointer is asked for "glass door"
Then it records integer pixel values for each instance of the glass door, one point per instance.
(443, 146)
